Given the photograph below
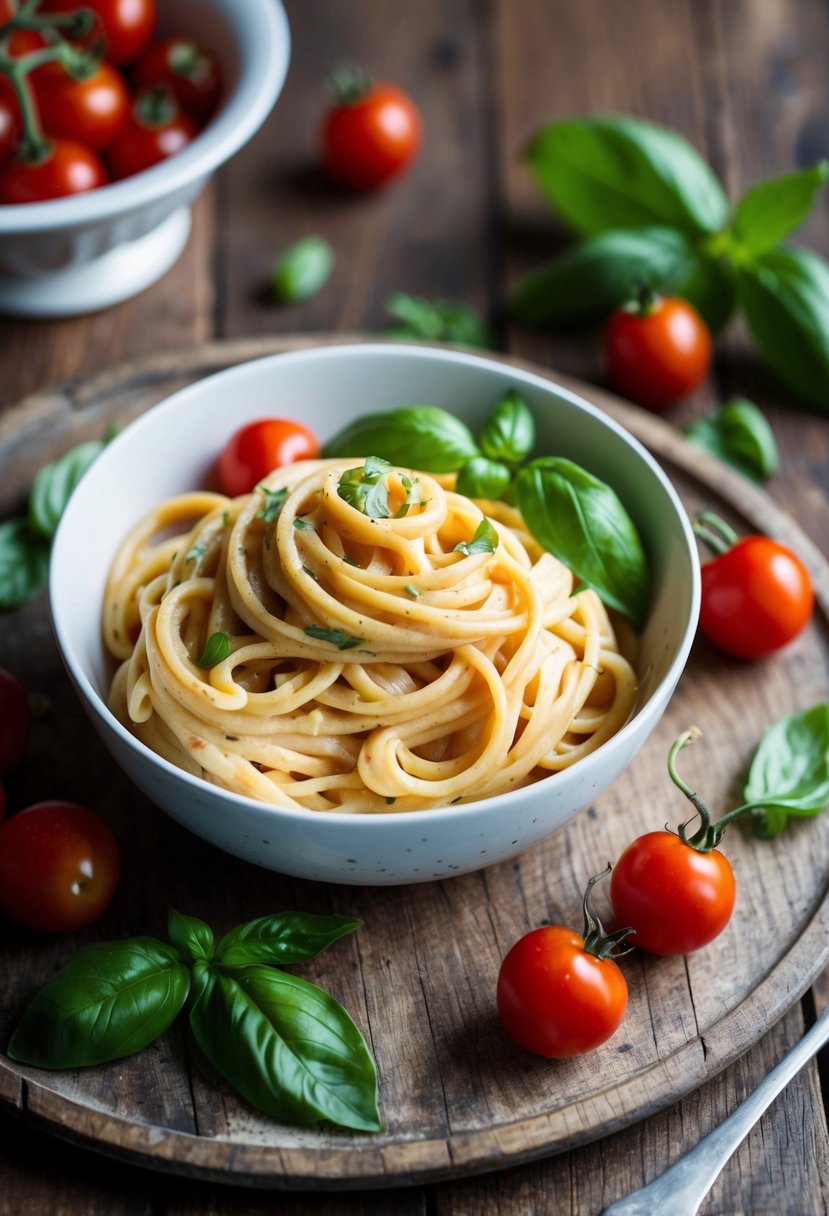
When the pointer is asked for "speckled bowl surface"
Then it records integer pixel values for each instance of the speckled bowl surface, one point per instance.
(171, 448)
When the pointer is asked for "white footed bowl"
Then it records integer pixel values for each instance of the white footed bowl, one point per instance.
(71, 255)
(172, 448)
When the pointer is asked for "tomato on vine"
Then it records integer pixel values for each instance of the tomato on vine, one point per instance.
(560, 993)
(125, 25)
(258, 448)
(91, 109)
(756, 594)
(657, 349)
(371, 133)
(155, 129)
(9, 120)
(65, 167)
(187, 69)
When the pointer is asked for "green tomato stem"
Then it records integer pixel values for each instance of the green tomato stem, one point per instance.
(714, 532)
(596, 941)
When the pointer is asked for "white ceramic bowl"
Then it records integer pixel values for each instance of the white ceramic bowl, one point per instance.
(171, 449)
(72, 255)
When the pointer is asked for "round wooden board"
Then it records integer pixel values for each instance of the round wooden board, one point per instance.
(419, 977)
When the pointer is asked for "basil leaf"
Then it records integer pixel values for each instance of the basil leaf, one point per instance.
(482, 478)
(509, 431)
(302, 270)
(337, 637)
(785, 297)
(111, 1000)
(274, 502)
(619, 172)
(289, 937)
(24, 562)
(711, 288)
(789, 774)
(438, 321)
(739, 434)
(582, 521)
(415, 436)
(771, 210)
(485, 540)
(216, 650)
(303, 525)
(54, 483)
(192, 937)
(288, 1048)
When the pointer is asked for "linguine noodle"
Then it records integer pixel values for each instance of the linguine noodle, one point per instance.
(371, 666)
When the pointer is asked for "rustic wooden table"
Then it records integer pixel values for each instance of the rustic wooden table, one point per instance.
(745, 80)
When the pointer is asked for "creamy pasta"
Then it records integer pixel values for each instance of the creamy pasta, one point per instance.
(295, 647)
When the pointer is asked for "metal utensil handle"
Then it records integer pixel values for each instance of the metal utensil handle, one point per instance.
(682, 1187)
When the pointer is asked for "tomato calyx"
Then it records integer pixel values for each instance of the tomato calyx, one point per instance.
(597, 941)
(709, 833)
(156, 106)
(348, 84)
(714, 532)
(644, 302)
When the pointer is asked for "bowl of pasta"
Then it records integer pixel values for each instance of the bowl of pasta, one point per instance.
(413, 652)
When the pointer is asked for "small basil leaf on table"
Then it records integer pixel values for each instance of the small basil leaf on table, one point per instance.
(303, 269)
(415, 437)
(191, 937)
(289, 937)
(54, 483)
(619, 172)
(785, 297)
(288, 1047)
(24, 562)
(789, 774)
(582, 521)
(482, 478)
(509, 432)
(436, 321)
(111, 1000)
(773, 209)
(738, 433)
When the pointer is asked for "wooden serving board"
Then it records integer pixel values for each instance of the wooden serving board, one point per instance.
(419, 977)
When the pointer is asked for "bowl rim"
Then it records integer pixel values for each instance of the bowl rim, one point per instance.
(432, 815)
(243, 112)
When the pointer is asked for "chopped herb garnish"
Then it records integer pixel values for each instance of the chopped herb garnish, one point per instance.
(365, 488)
(303, 525)
(216, 650)
(274, 502)
(410, 500)
(485, 540)
(195, 553)
(225, 518)
(349, 561)
(337, 637)
(242, 550)
(412, 591)
(390, 801)
(307, 570)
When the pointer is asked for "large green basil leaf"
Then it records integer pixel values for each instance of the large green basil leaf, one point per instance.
(582, 521)
(415, 437)
(24, 562)
(191, 937)
(288, 1047)
(594, 276)
(785, 297)
(288, 937)
(773, 209)
(738, 433)
(619, 172)
(482, 478)
(55, 482)
(111, 1000)
(509, 431)
(789, 774)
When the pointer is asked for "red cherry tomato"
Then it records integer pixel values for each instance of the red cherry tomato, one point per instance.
(657, 350)
(675, 897)
(259, 447)
(15, 723)
(59, 867)
(155, 129)
(371, 137)
(556, 999)
(92, 110)
(9, 120)
(191, 72)
(126, 25)
(756, 594)
(68, 168)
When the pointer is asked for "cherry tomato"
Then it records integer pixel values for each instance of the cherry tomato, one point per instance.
(371, 135)
(126, 25)
(15, 723)
(156, 128)
(657, 349)
(59, 867)
(259, 447)
(9, 120)
(675, 897)
(756, 594)
(191, 72)
(68, 168)
(92, 110)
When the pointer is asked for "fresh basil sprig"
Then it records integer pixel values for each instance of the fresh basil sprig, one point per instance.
(287, 1046)
(789, 774)
(421, 437)
(738, 433)
(648, 207)
(436, 321)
